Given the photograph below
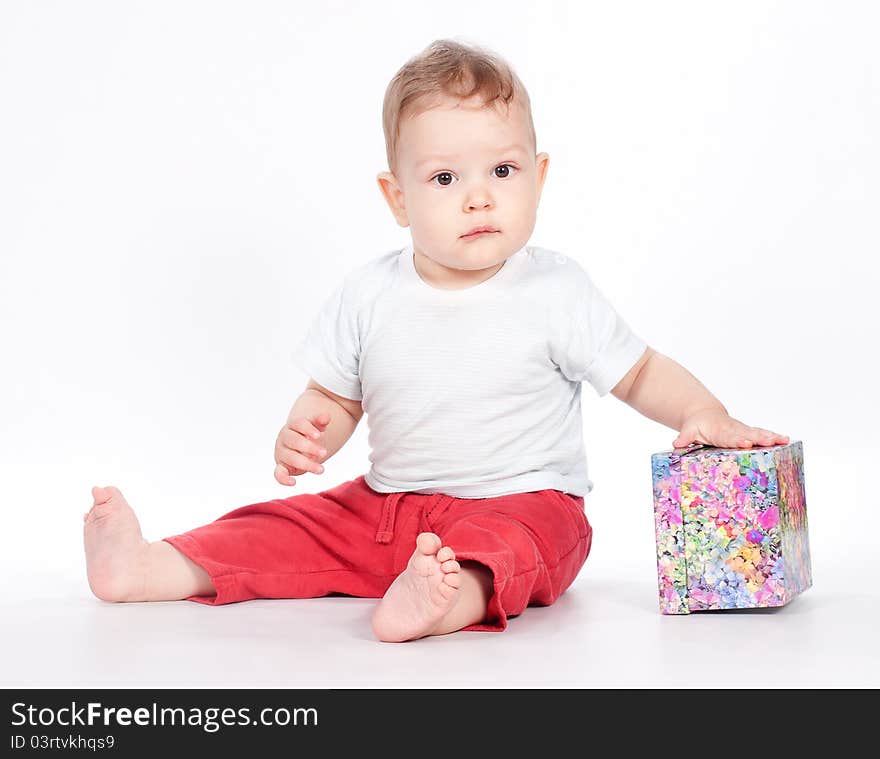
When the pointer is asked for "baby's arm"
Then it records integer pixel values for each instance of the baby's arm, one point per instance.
(666, 392)
(318, 420)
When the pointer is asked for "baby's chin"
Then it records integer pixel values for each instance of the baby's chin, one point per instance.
(474, 255)
(472, 265)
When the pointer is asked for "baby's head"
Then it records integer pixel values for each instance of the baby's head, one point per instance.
(461, 149)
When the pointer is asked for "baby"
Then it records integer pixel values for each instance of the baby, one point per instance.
(466, 349)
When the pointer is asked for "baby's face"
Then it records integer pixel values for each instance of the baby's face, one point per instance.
(462, 166)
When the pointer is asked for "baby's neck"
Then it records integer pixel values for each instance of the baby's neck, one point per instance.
(446, 278)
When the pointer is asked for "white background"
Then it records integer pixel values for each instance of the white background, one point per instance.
(182, 184)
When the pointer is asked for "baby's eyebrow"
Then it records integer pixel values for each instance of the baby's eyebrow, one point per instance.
(508, 149)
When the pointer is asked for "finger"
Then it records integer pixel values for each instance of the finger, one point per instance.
(757, 436)
(305, 428)
(736, 435)
(739, 439)
(321, 421)
(768, 437)
(299, 461)
(294, 441)
(292, 471)
(688, 436)
(283, 476)
(684, 439)
(761, 437)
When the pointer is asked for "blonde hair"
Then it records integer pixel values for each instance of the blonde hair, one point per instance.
(452, 69)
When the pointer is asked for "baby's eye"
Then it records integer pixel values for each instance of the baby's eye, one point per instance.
(505, 167)
(443, 183)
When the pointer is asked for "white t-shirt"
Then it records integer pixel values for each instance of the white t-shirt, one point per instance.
(473, 392)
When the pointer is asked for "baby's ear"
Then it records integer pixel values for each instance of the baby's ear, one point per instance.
(393, 195)
(542, 163)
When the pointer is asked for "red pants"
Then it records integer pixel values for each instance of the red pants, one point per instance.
(355, 541)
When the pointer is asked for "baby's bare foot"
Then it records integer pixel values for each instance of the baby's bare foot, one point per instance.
(116, 552)
(422, 595)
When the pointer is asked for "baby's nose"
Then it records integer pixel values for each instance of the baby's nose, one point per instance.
(479, 202)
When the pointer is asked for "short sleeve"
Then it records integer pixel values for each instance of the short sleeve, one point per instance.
(330, 351)
(592, 342)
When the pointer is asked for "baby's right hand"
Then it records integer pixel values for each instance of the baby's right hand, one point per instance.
(299, 448)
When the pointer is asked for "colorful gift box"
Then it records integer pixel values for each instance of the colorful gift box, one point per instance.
(731, 527)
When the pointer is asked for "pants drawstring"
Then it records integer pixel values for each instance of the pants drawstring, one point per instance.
(385, 534)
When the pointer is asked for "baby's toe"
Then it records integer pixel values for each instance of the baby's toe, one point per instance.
(451, 580)
(428, 543)
(447, 591)
(450, 566)
(445, 554)
(101, 495)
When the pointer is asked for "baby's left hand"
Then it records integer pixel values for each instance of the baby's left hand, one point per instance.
(714, 427)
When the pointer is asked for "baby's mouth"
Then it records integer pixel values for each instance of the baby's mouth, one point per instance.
(479, 233)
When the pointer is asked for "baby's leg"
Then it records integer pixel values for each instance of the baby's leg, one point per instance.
(525, 549)
(434, 595)
(122, 566)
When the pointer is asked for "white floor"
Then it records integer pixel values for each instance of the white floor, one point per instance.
(605, 631)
